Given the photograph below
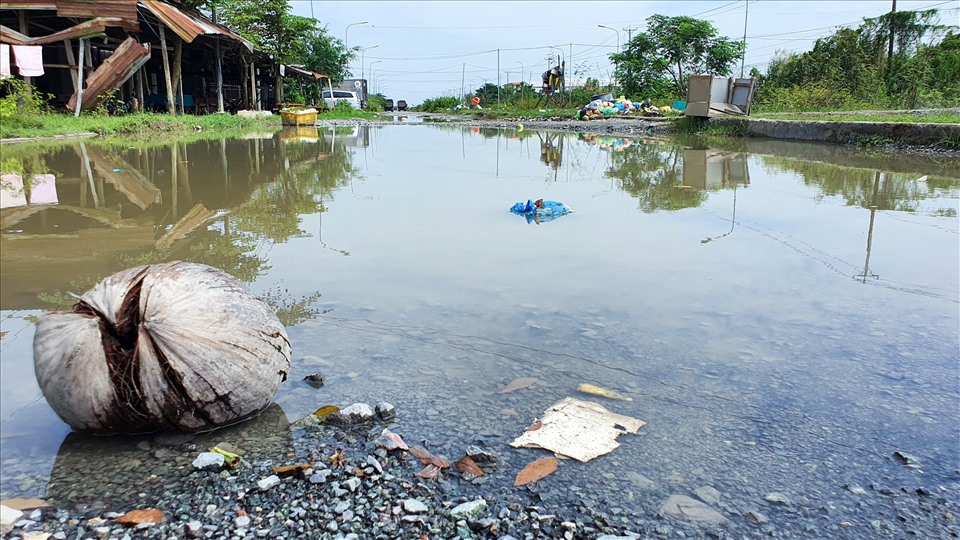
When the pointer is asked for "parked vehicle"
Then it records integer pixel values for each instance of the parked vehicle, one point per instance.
(341, 95)
(401, 105)
(388, 104)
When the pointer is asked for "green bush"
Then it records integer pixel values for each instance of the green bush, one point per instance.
(21, 106)
(439, 104)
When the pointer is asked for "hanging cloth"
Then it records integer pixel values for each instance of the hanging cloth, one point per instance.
(29, 59)
(5, 61)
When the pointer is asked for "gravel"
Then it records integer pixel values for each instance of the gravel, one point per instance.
(346, 485)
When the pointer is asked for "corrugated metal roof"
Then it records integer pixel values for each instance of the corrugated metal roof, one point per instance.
(124, 9)
(189, 25)
(116, 69)
(91, 28)
(28, 4)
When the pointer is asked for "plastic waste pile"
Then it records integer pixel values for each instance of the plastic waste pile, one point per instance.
(606, 142)
(540, 210)
(599, 108)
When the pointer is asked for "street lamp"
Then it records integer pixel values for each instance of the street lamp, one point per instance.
(370, 66)
(362, 51)
(615, 30)
(618, 48)
(346, 34)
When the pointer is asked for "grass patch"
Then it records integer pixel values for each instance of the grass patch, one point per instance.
(692, 125)
(132, 125)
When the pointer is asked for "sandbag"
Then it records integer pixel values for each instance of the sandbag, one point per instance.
(174, 346)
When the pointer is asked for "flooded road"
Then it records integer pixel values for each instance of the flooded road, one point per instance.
(784, 316)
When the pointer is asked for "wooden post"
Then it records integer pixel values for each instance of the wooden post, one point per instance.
(138, 83)
(177, 71)
(254, 102)
(76, 113)
(219, 79)
(70, 59)
(166, 72)
(24, 29)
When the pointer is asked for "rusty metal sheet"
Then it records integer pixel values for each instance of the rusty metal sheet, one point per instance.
(189, 25)
(28, 4)
(308, 73)
(86, 29)
(123, 9)
(123, 63)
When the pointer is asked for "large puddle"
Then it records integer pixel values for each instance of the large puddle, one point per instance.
(784, 316)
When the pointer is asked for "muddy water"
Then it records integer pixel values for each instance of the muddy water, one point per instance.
(784, 316)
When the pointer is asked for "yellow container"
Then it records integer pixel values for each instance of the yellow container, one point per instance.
(299, 118)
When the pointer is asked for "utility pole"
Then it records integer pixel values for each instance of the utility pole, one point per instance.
(498, 78)
(746, 10)
(463, 73)
(890, 46)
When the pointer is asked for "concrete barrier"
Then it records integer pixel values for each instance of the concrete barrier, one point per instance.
(920, 133)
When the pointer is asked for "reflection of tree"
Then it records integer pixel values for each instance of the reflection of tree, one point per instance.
(900, 192)
(653, 173)
(258, 188)
(292, 312)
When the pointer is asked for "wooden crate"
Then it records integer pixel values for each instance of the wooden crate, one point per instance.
(298, 118)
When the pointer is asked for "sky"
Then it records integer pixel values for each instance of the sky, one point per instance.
(420, 50)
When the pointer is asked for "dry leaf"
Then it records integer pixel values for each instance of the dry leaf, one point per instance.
(466, 465)
(536, 425)
(536, 470)
(518, 384)
(24, 504)
(290, 470)
(421, 453)
(602, 392)
(429, 472)
(358, 472)
(136, 517)
(440, 462)
(241, 512)
(325, 411)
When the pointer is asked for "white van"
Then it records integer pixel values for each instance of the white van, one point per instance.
(341, 95)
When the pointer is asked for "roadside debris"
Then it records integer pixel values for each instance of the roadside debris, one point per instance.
(581, 430)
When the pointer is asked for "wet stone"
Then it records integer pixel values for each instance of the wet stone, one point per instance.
(707, 494)
(469, 510)
(209, 461)
(385, 411)
(778, 499)
(268, 482)
(413, 506)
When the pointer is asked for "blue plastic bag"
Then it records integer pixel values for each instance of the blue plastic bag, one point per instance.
(548, 211)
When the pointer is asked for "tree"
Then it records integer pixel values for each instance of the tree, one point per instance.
(674, 48)
(328, 55)
(270, 26)
(853, 69)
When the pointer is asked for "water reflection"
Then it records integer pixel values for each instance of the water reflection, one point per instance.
(441, 296)
(145, 463)
(123, 206)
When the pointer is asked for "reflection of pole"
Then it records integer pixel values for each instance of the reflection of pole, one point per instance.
(733, 220)
(93, 187)
(873, 210)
